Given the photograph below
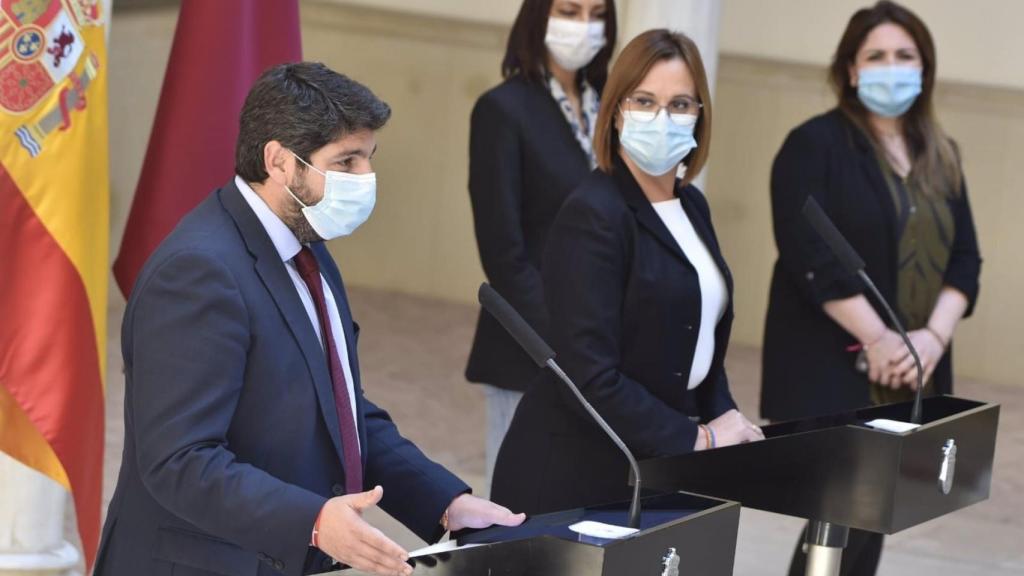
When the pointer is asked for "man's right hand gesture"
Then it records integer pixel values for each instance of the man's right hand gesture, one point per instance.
(346, 537)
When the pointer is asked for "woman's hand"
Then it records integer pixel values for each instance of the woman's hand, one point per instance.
(732, 428)
(884, 355)
(929, 348)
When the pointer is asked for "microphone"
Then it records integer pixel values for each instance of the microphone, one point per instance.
(543, 355)
(853, 264)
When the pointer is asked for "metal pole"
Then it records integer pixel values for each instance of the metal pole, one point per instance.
(824, 544)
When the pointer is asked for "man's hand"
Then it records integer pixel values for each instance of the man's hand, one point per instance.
(346, 537)
(468, 511)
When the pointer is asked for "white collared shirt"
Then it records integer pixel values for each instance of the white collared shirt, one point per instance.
(288, 247)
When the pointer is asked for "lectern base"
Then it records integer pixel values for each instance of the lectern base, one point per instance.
(824, 544)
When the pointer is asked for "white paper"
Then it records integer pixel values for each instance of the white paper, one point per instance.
(446, 546)
(892, 425)
(602, 530)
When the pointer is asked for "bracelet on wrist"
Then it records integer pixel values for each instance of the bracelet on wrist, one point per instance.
(867, 344)
(942, 341)
(315, 538)
(707, 435)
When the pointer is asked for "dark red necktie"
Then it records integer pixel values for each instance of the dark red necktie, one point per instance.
(310, 273)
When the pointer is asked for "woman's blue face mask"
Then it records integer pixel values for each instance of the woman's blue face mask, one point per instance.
(889, 91)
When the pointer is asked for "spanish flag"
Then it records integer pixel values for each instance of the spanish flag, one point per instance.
(54, 197)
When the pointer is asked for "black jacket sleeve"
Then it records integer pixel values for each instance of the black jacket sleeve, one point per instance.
(585, 274)
(964, 266)
(800, 170)
(496, 194)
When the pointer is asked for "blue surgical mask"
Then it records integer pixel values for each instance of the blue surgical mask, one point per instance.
(889, 90)
(347, 203)
(655, 143)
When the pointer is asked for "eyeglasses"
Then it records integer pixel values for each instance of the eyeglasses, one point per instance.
(680, 110)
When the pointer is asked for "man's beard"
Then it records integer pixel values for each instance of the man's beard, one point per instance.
(293, 217)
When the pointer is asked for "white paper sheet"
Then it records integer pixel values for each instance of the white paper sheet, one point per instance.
(446, 546)
(602, 530)
(892, 425)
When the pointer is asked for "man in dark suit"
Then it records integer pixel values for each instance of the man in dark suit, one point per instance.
(248, 442)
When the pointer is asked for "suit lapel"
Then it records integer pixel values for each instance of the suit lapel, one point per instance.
(650, 220)
(643, 210)
(707, 235)
(879, 187)
(555, 117)
(274, 275)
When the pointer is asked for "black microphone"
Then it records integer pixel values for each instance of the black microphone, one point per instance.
(855, 265)
(543, 355)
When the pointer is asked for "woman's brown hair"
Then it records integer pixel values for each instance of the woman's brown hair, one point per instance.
(935, 163)
(526, 54)
(632, 66)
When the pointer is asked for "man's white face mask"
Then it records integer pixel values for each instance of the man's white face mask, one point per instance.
(347, 203)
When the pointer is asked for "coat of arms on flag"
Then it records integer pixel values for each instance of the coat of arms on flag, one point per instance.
(41, 46)
(54, 205)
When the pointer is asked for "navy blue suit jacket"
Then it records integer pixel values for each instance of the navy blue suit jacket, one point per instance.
(232, 443)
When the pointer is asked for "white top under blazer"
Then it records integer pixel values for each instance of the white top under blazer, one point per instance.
(713, 292)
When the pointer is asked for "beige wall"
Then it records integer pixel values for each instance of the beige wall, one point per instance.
(501, 12)
(759, 101)
(420, 239)
(140, 43)
(432, 68)
(977, 42)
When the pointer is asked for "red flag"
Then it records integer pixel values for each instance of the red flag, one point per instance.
(219, 50)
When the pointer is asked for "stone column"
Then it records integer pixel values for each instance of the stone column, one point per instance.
(32, 524)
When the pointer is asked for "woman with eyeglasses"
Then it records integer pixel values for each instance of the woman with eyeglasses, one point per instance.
(890, 178)
(530, 145)
(639, 297)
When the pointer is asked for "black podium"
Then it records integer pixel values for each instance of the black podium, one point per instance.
(840, 473)
(679, 533)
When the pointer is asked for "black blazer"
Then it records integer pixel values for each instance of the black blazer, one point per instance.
(806, 368)
(625, 314)
(524, 160)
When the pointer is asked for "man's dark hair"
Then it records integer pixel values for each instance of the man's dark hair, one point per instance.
(304, 106)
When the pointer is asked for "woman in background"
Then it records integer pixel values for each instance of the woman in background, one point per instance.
(639, 297)
(530, 145)
(890, 178)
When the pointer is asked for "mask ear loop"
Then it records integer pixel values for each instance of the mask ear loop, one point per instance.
(296, 198)
(314, 168)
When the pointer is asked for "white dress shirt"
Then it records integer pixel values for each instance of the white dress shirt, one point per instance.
(713, 292)
(288, 247)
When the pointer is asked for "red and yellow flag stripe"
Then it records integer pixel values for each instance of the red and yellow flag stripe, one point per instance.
(54, 206)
